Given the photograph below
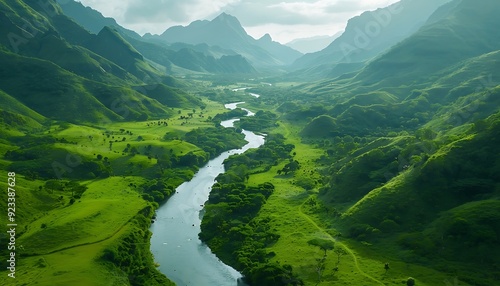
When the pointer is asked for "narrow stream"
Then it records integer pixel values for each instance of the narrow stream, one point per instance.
(183, 258)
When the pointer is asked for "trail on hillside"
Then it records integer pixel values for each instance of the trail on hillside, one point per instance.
(351, 253)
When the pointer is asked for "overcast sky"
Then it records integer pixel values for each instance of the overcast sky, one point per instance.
(283, 20)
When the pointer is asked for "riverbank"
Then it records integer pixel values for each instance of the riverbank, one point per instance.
(175, 244)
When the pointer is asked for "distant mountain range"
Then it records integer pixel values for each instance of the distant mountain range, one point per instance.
(192, 58)
(369, 35)
(61, 71)
(313, 44)
(225, 31)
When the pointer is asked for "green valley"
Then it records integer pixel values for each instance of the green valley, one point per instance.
(376, 165)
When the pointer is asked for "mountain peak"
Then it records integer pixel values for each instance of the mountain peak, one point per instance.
(266, 38)
(224, 17)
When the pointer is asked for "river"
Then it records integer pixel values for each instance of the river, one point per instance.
(183, 258)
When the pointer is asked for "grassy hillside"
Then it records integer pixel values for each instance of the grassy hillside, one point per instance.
(168, 96)
(50, 90)
(86, 194)
(395, 164)
(111, 45)
(463, 33)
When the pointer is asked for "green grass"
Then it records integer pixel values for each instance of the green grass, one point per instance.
(102, 211)
(62, 243)
(65, 252)
(297, 222)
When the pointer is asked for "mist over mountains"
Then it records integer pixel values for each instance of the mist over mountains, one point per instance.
(313, 44)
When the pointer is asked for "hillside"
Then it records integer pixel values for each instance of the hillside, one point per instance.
(378, 161)
(372, 33)
(409, 145)
(65, 73)
(165, 55)
(91, 19)
(461, 34)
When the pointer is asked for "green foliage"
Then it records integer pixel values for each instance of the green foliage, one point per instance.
(323, 244)
(235, 113)
(233, 232)
(474, 225)
(132, 255)
(48, 162)
(322, 126)
(169, 96)
(158, 190)
(260, 122)
(215, 140)
(263, 158)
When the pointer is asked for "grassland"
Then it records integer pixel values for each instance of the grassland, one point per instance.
(61, 245)
(298, 216)
(62, 240)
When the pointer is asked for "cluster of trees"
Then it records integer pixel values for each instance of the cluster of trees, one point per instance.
(230, 225)
(131, 254)
(235, 113)
(215, 140)
(191, 160)
(263, 158)
(70, 187)
(326, 245)
(231, 230)
(157, 190)
(47, 162)
(259, 122)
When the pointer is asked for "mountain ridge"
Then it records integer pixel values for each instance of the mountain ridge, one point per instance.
(371, 33)
(227, 32)
(162, 54)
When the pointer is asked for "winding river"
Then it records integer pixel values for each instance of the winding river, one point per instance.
(183, 258)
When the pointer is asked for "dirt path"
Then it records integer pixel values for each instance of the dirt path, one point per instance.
(351, 253)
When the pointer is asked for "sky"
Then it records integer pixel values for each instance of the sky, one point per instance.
(283, 20)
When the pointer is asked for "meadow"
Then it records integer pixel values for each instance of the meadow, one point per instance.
(67, 228)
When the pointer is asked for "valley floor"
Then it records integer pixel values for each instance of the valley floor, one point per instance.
(299, 216)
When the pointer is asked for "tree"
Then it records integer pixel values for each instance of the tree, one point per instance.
(340, 252)
(320, 267)
(410, 282)
(323, 244)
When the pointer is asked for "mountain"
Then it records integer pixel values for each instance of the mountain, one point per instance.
(313, 44)
(15, 117)
(410, 142)
(194, 58)
(282, 52)
(454, 34)
(207, 60)
(91, 19)
(110, 44)
(60, 71)
(225, 31)
(372, 33)
(60, 95)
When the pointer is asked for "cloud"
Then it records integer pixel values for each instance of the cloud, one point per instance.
(282, 18)
(161, 11)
